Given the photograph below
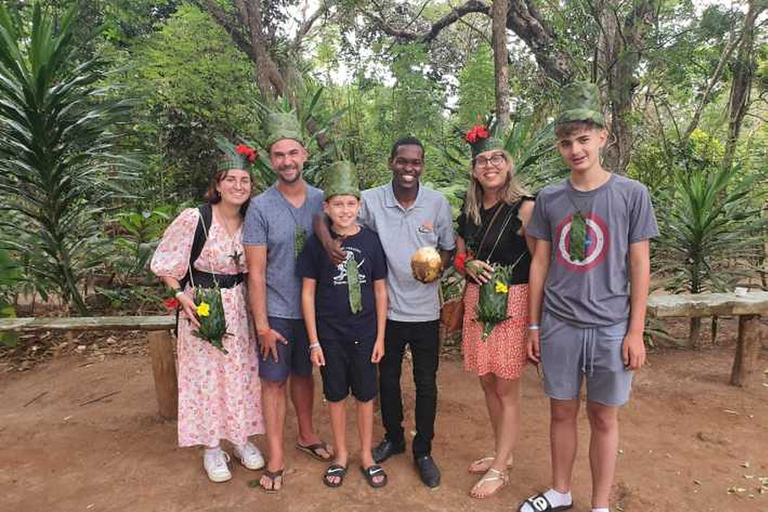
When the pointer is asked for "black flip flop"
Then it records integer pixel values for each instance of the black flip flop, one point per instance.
(540, 503)
(313, 450)
(273, 476)
(372, 472)
(336, 470)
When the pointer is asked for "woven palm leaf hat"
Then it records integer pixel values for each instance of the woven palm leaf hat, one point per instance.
(482, 138)
(240, 156)
(281, 125)
(341, 180)
(579, 102)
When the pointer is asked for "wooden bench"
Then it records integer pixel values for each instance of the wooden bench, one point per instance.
(749, 308)
(161, 345)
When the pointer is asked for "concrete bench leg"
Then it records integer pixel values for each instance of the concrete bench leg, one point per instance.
(748, 349)
(164, 371)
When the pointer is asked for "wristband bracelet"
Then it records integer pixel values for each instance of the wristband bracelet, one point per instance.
(179, 291)
(534, 327)
(314, 346)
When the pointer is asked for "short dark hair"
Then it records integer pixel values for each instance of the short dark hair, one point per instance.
(571, 127)
(405, 141)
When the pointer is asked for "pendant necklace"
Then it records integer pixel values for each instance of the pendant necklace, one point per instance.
(235, 254)
(299, 233)
(577, 237)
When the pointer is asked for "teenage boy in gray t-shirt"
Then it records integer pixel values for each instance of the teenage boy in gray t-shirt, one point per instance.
(591, 273)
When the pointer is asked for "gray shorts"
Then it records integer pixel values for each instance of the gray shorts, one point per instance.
(568, 353)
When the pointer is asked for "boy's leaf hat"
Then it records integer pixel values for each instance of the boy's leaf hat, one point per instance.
(341, 180)
(579, 102)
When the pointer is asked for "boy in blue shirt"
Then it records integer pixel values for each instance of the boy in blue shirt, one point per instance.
(345, 311)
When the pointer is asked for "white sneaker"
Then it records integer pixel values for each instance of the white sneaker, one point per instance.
(215, 464)
(249, 456)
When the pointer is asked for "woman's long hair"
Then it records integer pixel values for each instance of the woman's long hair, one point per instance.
(510, 193)
(212, 195)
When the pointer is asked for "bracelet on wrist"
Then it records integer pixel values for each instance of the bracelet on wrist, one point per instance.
(313, 346)
(534, 327)
(179, 291)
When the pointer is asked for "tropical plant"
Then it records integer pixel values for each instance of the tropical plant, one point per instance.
(57, 165)
(127, 280)
(710, 230)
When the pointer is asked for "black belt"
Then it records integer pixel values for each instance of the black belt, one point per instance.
(208, 280)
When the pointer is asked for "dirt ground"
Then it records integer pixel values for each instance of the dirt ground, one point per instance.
(689, 442)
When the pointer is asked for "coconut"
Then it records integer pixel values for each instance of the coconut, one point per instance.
(426, 264)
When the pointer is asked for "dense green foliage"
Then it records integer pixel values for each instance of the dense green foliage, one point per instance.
(360, 88)
(57, 166)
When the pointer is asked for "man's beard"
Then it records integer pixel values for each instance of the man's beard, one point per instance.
(297, 177)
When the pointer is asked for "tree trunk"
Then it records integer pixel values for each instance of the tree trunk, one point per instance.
(268, 77)
(501, 62)
(622, 47)
(742, 81)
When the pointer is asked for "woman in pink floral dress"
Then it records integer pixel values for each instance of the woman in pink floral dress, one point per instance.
(219, 393)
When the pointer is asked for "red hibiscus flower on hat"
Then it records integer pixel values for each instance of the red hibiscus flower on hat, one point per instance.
(247, 151)
(476, 133)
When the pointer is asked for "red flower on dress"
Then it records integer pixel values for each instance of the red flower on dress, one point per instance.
(247, 151)
(171, 303)
(476, 133)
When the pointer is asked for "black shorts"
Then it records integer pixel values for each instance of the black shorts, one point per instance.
(348, 365)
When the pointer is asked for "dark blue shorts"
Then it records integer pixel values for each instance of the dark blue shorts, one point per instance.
(293, 358)
(348, 365)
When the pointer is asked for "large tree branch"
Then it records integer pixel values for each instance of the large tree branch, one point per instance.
(426, 36)
(228, 24)
(710, 87)
(525, 21)
(306, 26)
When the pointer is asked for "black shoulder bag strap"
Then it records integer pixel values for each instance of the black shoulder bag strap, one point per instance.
(203, 227)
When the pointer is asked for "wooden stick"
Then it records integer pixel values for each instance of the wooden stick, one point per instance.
(113, 393)
(36, 398)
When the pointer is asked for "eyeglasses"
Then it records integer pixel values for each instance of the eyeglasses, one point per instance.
(495, 160)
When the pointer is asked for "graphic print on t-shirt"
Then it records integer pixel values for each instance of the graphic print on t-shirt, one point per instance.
(596, 245)
(341, 277)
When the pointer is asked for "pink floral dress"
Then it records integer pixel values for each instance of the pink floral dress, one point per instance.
(219, 394)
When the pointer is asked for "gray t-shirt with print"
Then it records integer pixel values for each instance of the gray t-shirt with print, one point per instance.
(593, 291)
(272, 221)
(402, 231)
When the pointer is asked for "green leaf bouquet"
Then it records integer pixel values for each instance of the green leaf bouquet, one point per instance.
(210, 312)
(491, 308)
